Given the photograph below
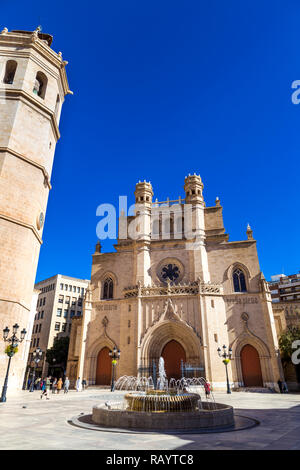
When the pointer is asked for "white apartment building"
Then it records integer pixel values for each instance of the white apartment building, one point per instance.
(60, 299)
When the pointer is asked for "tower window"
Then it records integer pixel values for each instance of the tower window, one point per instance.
(239, 282)
(57, 106)
(10, 70)
(108, 288)
(40, 85)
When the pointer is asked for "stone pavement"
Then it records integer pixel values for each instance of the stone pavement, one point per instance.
(27, 422)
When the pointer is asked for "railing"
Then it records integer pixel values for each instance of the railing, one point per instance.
(192, 288)
(149, 369)
(191, 370)
(157, 203)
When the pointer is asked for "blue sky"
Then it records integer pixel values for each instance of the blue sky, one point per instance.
(167, 88)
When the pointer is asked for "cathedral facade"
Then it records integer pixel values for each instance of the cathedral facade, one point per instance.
(177, 287)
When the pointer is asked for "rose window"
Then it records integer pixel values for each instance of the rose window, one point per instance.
(170, 272)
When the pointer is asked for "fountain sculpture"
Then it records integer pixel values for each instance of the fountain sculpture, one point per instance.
(173, 404)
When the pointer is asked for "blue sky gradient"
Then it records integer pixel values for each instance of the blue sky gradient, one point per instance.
(167, 88)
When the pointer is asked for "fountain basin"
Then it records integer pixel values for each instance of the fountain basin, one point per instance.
(220, 417)
(158, 401)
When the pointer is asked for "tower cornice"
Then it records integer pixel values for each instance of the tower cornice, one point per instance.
(39, 45)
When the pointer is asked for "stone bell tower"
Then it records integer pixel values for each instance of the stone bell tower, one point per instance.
(33, 85)
(143, 203)
(193, 188)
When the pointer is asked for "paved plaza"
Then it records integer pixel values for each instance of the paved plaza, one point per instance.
(27, 422)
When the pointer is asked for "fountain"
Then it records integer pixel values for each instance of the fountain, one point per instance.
(173, 404)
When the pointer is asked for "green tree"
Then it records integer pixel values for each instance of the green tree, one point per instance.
(285, 343)
(59, 352)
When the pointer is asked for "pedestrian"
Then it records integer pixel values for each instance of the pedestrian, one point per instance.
(285, 388)
(78, 384)
(280, 385)
(207, 389)
(54, 385)
(59, 385)
(66, 385)
(46, 388)
(83, 384)
(28, 384)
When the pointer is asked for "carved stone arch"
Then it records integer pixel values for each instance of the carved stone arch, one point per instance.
(160, 334)
(107, 274)
(228, 274)
(100, 343)
(253, 340)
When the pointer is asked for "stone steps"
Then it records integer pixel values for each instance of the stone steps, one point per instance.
(255, 389)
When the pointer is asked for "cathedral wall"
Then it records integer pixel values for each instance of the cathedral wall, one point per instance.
(213, 218)
(222, 256)
(120, 265)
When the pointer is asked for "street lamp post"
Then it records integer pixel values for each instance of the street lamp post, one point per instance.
(226, 359)
(115, 355)
(52, 366)
(10, 351)
(37, 355)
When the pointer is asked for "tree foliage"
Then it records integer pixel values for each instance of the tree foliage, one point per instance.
(59, 352)
(286, 340)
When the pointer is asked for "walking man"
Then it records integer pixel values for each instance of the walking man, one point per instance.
(66, 385)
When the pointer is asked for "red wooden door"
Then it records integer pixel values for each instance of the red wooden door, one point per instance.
(173, 353)
(103, 372)
(251, 369)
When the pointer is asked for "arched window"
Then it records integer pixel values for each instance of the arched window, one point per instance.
(108, 288)
(10, 70)
(40, 85)
(239, 281)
